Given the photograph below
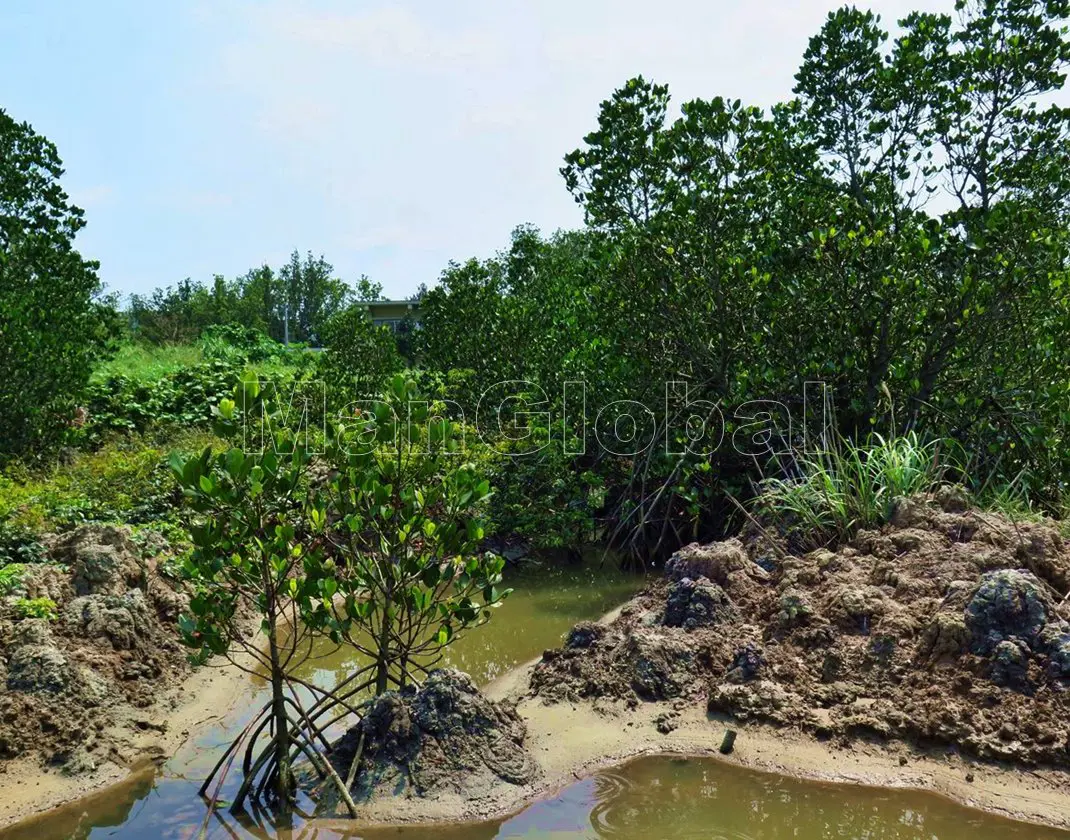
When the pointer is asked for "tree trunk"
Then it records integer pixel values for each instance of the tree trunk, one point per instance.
(382, 672)
(284, 788)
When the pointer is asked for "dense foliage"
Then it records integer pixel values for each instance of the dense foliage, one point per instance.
(183, 397)
(360, 356)
(51, 326)
(898, 232)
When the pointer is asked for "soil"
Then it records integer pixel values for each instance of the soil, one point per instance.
(946, 627)
(930, 654)
(106, 686)
(445, 738)
(569, 741)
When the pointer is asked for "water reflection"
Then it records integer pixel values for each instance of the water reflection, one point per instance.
(675, 799)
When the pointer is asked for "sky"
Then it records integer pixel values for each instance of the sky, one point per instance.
(206, 138)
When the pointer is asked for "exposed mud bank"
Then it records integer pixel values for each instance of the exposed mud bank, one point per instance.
(105, 687)
(568, 741)
(946, 628)
(933, 654)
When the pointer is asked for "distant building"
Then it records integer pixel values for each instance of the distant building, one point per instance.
(392, 313)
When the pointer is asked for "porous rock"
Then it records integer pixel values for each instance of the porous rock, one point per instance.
(1010, 665)
(102, 559)
(1009, 603)
(122, 619)
(659, 666)
(583, 635)
(696, 603)
(36, 667)
(714, 561)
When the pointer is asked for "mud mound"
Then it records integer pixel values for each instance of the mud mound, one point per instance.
(446, 737)
(113, 649)
(948, 625)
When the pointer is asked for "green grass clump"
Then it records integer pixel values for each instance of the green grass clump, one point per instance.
(831, 494)
(146, 363)
(1011, 500)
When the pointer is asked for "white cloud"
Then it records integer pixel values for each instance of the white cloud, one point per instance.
(432, 129)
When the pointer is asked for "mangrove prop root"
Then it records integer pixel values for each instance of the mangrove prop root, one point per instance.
(258, 741)
(250, 777)
(248, 760)
(357, 756)
(326, 770)
(230, 753)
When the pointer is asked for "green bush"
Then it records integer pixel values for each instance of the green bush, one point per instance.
(360, 356)
(18, 544)
(125, 481)
(10, 577)
(169, 393)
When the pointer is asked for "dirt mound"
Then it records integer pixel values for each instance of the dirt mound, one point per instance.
(444, 738)
(111, 649)
(947, 625)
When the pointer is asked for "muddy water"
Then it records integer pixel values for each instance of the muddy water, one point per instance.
(649, 799)
(666, 799)
(545, 603)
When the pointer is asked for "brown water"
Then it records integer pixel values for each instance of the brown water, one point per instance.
(649, 799)
(701, 799)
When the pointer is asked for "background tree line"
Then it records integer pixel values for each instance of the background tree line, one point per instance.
(260, 298)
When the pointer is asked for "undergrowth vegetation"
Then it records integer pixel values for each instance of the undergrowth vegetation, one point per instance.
(824, 497)
(125, 481)
(146, 362)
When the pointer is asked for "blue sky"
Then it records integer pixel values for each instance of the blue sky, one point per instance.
(209, 137)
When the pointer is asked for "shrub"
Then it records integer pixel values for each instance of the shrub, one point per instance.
(19, 545)
(10, 576)
(232, 342)
(360, 356)
(382, 552)
(125, 481)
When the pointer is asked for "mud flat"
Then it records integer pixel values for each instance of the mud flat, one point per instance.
(568, 741)
(105, 689)
(932, 654)
(140, 740)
